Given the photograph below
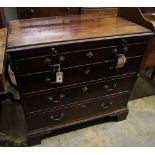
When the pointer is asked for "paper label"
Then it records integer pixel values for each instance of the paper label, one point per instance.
(121, 61)
(59, 77)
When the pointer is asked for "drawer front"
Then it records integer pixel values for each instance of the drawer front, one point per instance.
(33, 12)
(46, 63)
(62, 48)
(81, 93)
(76, 112)
(77, 75)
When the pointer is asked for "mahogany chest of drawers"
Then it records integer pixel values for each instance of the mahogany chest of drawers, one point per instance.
(98, 58)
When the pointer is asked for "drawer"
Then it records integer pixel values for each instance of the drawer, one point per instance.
(37, 12)
(80, 45)
(71, 59)
(77, 75)
(75, 113)
(63, 97)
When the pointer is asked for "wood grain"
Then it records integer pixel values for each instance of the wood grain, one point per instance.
(65, 28)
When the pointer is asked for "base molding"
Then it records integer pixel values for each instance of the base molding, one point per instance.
(35, 137)
(121, 116)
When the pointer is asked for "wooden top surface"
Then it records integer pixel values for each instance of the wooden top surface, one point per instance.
(3, 32)
(67, 28)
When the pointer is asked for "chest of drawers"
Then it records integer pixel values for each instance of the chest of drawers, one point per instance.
(86, 49)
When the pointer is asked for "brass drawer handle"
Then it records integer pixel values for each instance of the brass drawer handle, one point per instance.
(62, 96)
(57, 118)
(51, 99)
(54, 51)
(83, 106)
(106, 86)
(49, 80)
(48, 61)
(89, 54)
(85, 89)
(115, 51)
(115, 85)
(124, 41)
(87, 71)
(61, 58)
(125, 48)
(106, 106)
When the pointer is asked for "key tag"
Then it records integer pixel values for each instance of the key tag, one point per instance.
(121, 61)
(59, 75)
